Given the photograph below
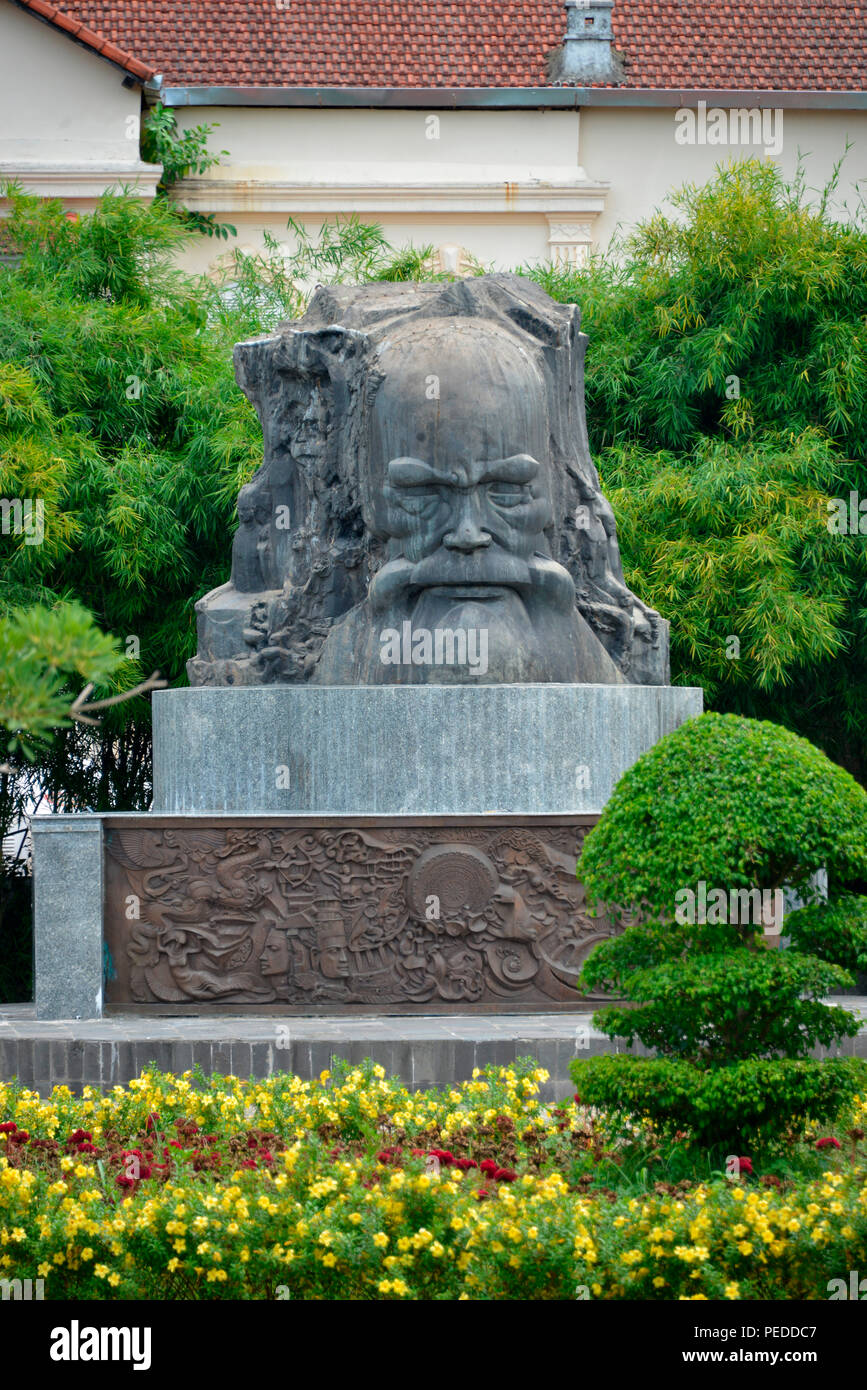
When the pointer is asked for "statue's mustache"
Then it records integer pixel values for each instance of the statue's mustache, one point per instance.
(490, 566)
(541, 575)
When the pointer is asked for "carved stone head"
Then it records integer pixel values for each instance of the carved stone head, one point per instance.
(447, 524)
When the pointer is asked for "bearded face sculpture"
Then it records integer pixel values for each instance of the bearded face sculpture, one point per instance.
(427, 445)
(459, 489)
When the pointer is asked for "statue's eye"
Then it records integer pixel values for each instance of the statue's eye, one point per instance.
(507, 494)
(418, 499)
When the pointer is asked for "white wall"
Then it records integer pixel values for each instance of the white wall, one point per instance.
(492, 182)
(636, 150)
(68, 126)
(318, 145)
(484, 180)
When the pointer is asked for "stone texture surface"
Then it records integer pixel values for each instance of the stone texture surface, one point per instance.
(300, 914)
(67, 894)
(542, 749)
(426, 464)
(422, 1051)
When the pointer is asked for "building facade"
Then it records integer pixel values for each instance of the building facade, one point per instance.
(505, 132)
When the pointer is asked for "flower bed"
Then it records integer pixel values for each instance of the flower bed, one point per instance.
(351, 1187)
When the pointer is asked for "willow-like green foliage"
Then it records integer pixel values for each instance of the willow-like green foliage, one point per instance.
(119, 412)
(726, 383)
(119, 415)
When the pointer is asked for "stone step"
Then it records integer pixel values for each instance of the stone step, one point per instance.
(422, 1051)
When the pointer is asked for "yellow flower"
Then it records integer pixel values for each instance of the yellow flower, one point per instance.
(745, 1247)
(732, 1290)
(380, 1240)
(114, 1280)
(100, 1271)
(329, 1259)
(658, 1283)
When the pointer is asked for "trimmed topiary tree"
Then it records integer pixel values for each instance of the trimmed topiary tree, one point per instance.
(695, 842)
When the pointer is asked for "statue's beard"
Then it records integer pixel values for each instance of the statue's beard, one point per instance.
(452, 618)
(513, 609)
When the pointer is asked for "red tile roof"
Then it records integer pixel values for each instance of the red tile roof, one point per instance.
(75, 25)
(693, 44)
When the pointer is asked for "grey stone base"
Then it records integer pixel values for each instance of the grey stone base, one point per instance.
(423, 1052)
(455, 750)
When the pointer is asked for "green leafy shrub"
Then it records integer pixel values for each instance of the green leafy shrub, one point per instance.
(712, 1010)
(732, 1107)
(734, 802)
(834, 931)
(743, 807)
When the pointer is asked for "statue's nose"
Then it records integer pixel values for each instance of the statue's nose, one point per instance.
(467, 535)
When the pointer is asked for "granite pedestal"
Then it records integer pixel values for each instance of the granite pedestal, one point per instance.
(238, 772)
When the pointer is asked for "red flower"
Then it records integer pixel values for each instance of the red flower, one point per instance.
(505, 1175)
(488, 1166)
(467, 1163)
(8, 1127)
(444, 1156)
(384, 1156)
(248, 1163)
(266, 1156)
(123, 1181)
(482, 1194)
(86, 1149)
(80, 1136)
(577, 1098)
(828, 1143)
(745, 1165)
(173, 1144)
(418, 1153)
(20, 1138)
(152, 1121)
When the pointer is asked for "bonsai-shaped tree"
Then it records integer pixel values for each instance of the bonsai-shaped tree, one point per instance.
(698, 833)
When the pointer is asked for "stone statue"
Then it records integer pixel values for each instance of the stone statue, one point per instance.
(427, 510)
(251, 544)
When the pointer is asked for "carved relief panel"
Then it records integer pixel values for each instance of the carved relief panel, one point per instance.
(344, 917)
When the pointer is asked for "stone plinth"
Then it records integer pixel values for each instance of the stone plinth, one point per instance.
(542, 749)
